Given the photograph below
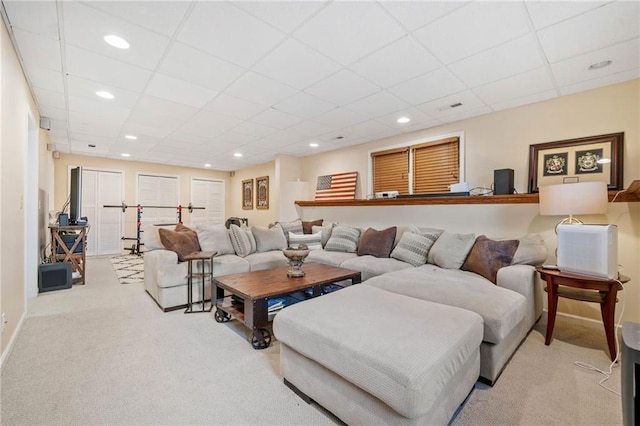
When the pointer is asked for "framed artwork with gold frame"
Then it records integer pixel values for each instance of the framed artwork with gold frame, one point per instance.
(593, 158)
(262, 193)
(247, 194)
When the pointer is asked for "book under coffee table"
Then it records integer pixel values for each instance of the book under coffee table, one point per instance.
(246, 296)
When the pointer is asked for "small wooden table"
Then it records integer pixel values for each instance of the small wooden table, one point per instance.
(586, 289)
(76, 253)
(250, 292)
(202, 256)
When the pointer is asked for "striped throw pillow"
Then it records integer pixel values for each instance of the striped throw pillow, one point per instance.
(313, 241)
(343, 238)
(241, 240)
(413, 248)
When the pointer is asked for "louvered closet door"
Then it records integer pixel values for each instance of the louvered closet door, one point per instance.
(207, 193)
(158, 191)
(100, 188)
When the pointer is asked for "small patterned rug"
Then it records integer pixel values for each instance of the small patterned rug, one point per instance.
(129, 268)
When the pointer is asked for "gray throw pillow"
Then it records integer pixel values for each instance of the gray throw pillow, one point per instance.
(270, 239)
(450, 250)
(214, 238)
(413, 248)
(326, 232)
(344, 239)
(313, 241)
(294, 226)
(240, 240)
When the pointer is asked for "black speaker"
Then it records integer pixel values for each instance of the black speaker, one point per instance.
(54, 276)
(503, 182)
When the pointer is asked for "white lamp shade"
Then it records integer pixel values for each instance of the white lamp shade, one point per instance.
(574, 199)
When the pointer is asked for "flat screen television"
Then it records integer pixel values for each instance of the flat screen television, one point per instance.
(75, 196)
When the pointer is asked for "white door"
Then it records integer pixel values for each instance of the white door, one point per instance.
(100, 188)
(159, 191)
(207, 193)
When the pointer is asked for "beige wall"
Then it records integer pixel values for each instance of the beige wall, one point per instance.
(256, 217)
(130, 170)
(501, 140)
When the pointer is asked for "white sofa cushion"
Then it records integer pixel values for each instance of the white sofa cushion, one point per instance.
(371, 266)
(450, 250)
(334, 258)
(501, 309)
(214, 238)
(313, 241)
(266, 260)
(150, 238)
(268, 239)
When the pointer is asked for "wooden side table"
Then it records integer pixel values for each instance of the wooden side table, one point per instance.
(201, 256)
(76, 254)
(586, 289)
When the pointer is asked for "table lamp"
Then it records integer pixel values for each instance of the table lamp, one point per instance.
(573, 199)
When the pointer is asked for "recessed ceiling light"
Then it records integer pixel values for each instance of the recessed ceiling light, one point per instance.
(403, 120)
(599, 65)
(237, 154)
(116, 41)
(105, 95)
(131, 137)
(124, 154)
(314, 145)
(207, 165)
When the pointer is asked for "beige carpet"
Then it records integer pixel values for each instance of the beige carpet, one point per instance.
(105, 354)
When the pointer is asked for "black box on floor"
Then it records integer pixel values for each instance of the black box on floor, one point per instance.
(54, 276)
(503, 182)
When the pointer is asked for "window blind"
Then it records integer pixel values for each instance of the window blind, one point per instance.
(391, 170)
(435, 165)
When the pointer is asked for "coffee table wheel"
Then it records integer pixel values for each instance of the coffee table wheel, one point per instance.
(261, 338)
(221, 316)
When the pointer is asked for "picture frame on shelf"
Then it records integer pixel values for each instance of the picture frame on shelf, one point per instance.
(262, 193)
(247, 194)
(593, 158)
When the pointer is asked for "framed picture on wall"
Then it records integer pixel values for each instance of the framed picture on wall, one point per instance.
(262, 192)
(247, 194)
(594, 158)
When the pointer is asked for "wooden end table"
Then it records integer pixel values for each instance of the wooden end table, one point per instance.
(586, 289)
(201, 256)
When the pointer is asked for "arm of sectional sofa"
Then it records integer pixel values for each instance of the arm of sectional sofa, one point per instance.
(523, 279)
(154, 260)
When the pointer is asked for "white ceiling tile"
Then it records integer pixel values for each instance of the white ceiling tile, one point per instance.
(284, 15)
(162, 17)
(38, 17)
(38, 51)
(272, 142)
(254, 129)
(234, 107)
(91, 138)
(308, 129)
(52, 112)
(513, 57)
(381, 103)
(347, 31)
(86, 27)
(339, 117)
(187, 63)
(304, 105)
(46, 79)
(415, 14)
(518, 86)
(433, 85)
(343, 88)
(92, 66)
(400, 61)
(601, 27)
(79, 125)
(152, 111)
(81, 147)
(209, 124)
(525, 100)
(259, 89)
(545, 13)
(274, 118)
(441, 108)
(230, 33)
(601, 81)
(87, 109)
(183, 92)
(417, 118)
(625, 56)
(296, 65)
(86, 88)
(50, 98)
(144, 131)
(463, 33)
(371, 129)
(466, 114)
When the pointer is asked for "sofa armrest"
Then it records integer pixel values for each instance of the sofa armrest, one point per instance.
(154, 260)
(523, 279)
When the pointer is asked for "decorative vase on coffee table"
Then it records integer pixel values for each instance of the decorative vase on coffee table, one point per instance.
(296, 259)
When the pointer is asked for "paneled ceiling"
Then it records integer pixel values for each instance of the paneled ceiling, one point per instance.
(204, 80)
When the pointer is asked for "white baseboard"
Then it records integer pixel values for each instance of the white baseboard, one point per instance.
(9, 348)
(577, 320)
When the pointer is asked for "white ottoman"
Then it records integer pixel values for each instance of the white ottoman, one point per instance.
(375, 357)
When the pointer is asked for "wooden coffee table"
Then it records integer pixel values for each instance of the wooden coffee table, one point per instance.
(248, 294)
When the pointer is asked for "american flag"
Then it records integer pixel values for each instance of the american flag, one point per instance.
(337, 187)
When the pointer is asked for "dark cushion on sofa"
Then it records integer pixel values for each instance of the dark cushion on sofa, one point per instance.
(377, 243)
(307, 225)
(487, 256)
(182, 240)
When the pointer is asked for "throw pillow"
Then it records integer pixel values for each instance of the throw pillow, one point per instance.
(313, 241)
(343, 238)
(240, 240)
(269, 239)
(307, 226)
(214, 238)
(294, 226)
(413, 248)
(450, 250)
(182, 241)
(151, 238)
(532, 250)
(487, 256)
(377, 243)
(326, 232)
